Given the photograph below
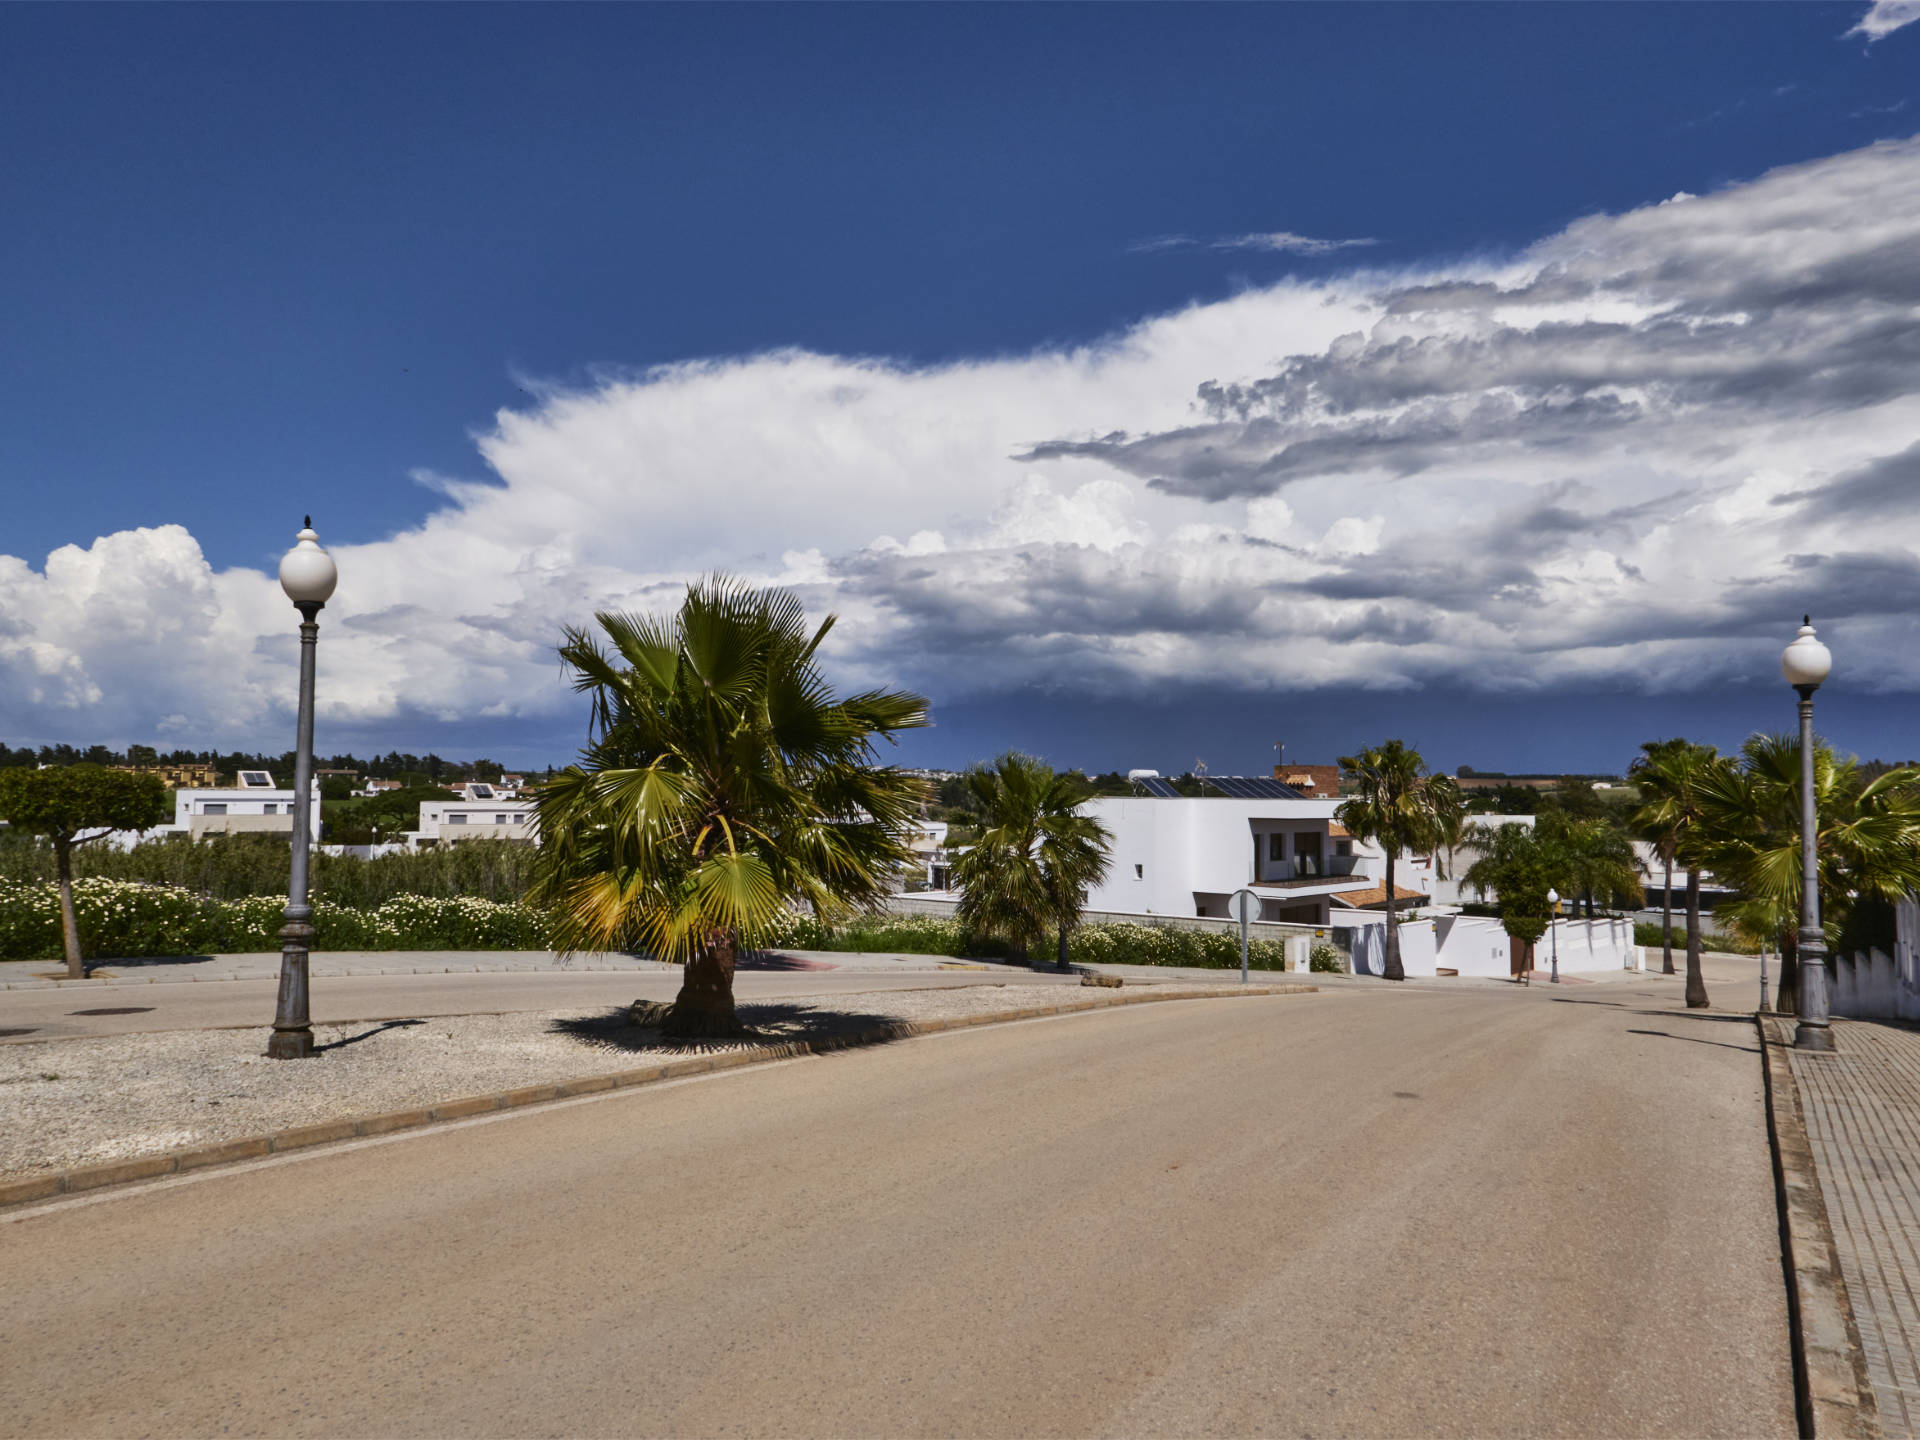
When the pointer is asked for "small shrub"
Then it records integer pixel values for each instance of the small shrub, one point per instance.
(1325, 960)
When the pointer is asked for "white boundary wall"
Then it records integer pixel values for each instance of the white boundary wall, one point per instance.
(1476, 945)
(1875, 986)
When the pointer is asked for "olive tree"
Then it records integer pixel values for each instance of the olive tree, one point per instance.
(75, 805)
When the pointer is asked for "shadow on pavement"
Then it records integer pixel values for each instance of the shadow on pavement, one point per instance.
(767, 1024)
(774, 960)
(369, 1034)
(1696, 1040)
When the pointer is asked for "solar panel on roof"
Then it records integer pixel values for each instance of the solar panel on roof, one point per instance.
(1253, 787)
(256, 780)
(1159, 788)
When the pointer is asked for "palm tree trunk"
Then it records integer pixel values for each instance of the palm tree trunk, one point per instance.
(1063, 947)
(69, 922)
(1696, 984)
(1787, 1002)
(703, 1010)
(1392, 970)
(1666, 922)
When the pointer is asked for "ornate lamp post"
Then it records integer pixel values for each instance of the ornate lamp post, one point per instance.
(1553, 927)
(1805, 663)
(307, 574)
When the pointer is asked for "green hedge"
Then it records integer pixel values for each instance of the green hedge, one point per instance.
(1645, 933)
(126, 919)
(1103, 944)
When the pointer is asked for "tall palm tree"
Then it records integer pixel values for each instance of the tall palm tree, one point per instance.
(1036, 858)
(1662, 837)
(1672, 786)
(1868, 840)
(1398, 806)
(722, 785)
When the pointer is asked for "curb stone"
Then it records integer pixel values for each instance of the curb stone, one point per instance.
(93, 1177)
(1832, 1394)
(357, 972)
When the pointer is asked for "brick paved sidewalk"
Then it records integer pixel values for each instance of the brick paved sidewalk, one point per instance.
(1862, 1113)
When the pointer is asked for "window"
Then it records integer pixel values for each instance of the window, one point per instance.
(456, 819)
(1343, 847)
(214, 807)
(499, 819)
(272, 809)
(1139, 872)
(1273, 846)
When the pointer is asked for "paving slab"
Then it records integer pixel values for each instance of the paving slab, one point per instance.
(1862, 1111)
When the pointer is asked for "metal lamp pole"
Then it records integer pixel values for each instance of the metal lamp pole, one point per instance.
(1805, 663)
(1553, 925)
(308, 575)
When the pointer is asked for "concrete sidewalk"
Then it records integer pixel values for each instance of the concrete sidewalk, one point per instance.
(163, 970)
(1862, 1112)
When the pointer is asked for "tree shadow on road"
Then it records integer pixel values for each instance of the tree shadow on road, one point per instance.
(1696, 1040)
(768, 1023)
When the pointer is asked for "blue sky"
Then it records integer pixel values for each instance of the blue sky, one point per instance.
(272, 260)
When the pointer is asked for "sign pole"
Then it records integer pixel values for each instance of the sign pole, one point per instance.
(1246, 905)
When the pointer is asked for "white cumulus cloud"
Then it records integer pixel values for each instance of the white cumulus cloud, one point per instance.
(1883, 17)
(1633, 453)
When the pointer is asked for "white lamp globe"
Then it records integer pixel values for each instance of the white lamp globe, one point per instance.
(1553, 897)
(307, 572)
(1806, 661)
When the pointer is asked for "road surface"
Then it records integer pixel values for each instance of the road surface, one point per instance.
(1365, 1212)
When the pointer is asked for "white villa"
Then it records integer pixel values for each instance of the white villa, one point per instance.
(482, 815)
(255, 805)
(1175, 855)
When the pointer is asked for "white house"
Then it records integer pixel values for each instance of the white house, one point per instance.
(928, 842)
(1175, 855)
(475, 819)
(255, 805)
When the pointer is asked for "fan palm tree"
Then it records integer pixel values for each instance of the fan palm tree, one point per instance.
(1867, 841)
(1036, 858)
(1672, 784)
(1598, 860)
(1398, 806)
(1662, 837)
(722, 785)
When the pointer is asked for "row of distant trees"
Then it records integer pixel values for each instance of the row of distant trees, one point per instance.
(394, 765)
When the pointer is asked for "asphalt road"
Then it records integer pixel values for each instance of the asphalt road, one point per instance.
(63, 1013)
(1356, 1213)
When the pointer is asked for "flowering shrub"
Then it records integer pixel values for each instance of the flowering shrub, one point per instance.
(125, 918)
(1325, 960)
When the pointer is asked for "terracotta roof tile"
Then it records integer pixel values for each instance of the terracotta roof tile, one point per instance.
(1366, 899)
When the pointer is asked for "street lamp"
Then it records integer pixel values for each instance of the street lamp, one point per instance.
(1553, 926)
(307, 574)
(1805, 663)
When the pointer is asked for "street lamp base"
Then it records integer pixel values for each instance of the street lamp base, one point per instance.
(1813, 1037)
(291, 1045)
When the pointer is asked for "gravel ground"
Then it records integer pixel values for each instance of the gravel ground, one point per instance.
(81, 1102)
